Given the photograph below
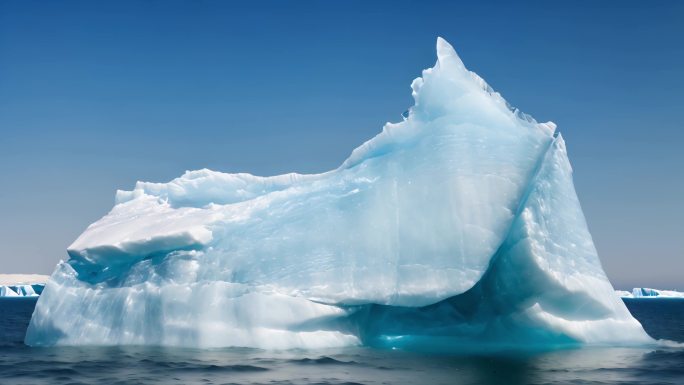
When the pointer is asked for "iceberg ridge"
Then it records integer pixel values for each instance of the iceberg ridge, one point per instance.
(460, 223)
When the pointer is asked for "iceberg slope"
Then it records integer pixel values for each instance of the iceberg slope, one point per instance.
(544, 285)
(460, 220)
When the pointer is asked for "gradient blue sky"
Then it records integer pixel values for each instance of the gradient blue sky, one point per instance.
(95, 95)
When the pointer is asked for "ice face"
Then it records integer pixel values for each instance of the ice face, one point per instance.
(465, 211)
(8, 291)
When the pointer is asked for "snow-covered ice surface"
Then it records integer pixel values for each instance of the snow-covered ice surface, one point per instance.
(645, 292)
(458, 225)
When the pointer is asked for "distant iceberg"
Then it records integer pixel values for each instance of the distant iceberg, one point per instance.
(459, 225)
(22, 285)
(21, 290)
(644, 292)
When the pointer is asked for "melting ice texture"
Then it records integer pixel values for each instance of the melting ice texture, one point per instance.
(458, 225)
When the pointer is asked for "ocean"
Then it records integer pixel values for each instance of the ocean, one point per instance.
(662, 318)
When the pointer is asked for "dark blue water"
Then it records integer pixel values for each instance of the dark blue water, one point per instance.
(662, 318)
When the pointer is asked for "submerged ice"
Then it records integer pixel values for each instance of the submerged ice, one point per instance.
(459, 224)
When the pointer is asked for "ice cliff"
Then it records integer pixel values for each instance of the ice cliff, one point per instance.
(458, 225)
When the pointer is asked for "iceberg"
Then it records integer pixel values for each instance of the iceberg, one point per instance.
(22, 285)
(645, 292)
(458, 225)
(21, 290)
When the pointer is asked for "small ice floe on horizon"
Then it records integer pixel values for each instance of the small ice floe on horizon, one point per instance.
(22, 285)
(645, 292)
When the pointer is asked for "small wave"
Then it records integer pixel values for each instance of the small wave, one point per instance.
(323, 360)
(212, 368)
(189, 366)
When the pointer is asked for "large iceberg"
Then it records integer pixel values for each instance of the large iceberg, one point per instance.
(458, 225)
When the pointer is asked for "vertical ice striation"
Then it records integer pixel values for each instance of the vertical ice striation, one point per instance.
(461, 220)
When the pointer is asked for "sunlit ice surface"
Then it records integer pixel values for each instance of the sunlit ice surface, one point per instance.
(457, 227)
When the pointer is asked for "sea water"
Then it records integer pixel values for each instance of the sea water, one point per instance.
(662, 318)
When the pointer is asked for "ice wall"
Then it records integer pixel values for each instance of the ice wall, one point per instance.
(460, 221)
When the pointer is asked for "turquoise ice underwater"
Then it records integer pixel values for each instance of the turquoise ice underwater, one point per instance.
(458, 226)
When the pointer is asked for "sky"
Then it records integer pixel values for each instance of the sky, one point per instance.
(97, 95)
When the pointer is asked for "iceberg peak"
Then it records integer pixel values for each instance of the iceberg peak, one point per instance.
(447, 56)
(447, 91)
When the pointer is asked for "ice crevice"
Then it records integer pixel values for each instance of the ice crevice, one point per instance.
(458, 226)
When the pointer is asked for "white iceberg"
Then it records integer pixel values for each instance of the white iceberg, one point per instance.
(22, 285)
(8, 291)
(459, 224)
(32, 290)
(645, 292)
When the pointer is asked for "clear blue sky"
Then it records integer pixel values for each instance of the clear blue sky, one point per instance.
(95, 95)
